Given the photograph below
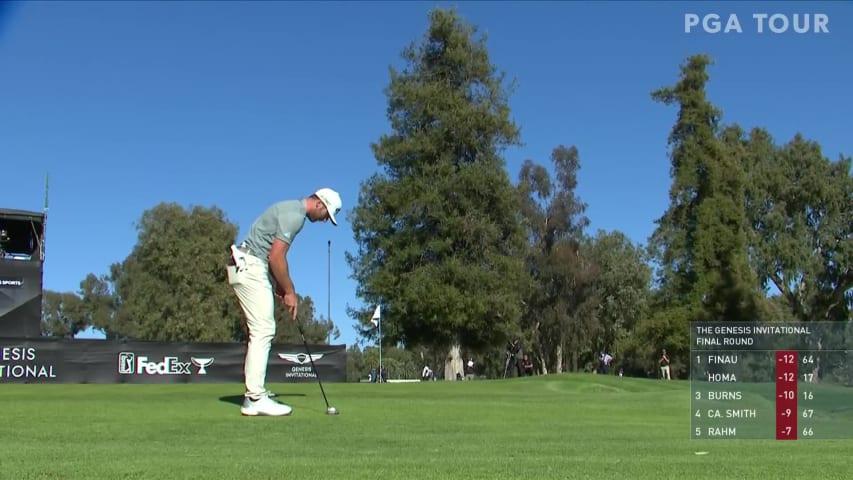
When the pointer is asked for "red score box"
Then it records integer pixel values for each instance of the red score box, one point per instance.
(786, 394)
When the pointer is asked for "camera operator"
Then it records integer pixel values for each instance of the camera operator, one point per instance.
(513, 358)
(4, 239)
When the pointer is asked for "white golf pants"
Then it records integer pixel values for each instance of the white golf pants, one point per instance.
(254, 290)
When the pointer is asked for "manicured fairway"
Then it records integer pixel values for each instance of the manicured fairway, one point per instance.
(549, 427)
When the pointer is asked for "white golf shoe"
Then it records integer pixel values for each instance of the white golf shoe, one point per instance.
(265, 406)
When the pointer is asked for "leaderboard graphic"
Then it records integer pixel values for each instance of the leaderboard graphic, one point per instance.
(774, 380)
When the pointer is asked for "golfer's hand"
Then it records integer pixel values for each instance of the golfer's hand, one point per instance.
(288, 299)
(290, 302)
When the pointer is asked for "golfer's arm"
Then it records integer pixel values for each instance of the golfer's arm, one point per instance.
(278, 266)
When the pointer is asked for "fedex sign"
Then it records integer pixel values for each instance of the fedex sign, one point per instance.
(129, 364)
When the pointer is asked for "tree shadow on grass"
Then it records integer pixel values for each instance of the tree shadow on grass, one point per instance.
(238, 399)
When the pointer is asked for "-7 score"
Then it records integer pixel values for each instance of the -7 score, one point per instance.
(807, 431)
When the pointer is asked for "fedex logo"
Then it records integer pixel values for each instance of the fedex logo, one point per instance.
(129, 364)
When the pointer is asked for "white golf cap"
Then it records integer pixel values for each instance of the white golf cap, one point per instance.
(332, 200)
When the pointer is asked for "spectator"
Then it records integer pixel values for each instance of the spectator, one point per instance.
(664, 366)
(606, 359)
(527, 365)
(469, 369)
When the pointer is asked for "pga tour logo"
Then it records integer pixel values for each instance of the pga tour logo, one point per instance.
(777, 23)
(129, 364)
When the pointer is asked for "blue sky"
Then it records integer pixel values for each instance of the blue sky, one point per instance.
(239, 105)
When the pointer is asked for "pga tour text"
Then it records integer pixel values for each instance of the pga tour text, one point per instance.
(774, 23)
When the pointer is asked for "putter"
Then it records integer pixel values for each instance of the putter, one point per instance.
(329, 410)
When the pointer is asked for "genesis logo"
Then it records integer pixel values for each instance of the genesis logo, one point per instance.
(300, 358)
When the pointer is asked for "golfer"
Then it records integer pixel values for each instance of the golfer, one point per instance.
(258, 272)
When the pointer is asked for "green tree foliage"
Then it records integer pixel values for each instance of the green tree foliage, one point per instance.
(620, 289)
(98, 302)
(173, 285)
(62, 314)
(438, 236)
(665, 328)
(316, 330)
(66, 314)
(556, 308)
(355, 364)
(588, 293)
(800, 220)
(494, 361)
(701, 240)
(398, 363)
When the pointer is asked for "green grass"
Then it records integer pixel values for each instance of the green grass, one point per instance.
(559, 426)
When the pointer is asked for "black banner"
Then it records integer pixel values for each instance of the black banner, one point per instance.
(100, 361)
(21, 267)
(20, 298)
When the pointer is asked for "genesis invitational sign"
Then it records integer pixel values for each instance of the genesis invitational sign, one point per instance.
(101, 361)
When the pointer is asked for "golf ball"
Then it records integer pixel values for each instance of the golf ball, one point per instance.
(332, 410)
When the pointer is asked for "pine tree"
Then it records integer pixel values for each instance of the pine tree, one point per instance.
(439, 238)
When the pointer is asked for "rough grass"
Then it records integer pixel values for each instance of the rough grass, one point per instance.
(560, 427)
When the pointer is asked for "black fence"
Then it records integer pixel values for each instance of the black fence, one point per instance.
(43, 360)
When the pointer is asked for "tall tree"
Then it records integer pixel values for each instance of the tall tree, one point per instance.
(700, 243)
(438, 235)
(554, 218)
(800, 219)
(701, 239)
